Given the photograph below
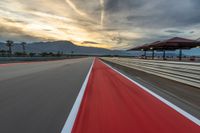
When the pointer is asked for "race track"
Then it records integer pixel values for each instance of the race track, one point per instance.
(86, 95)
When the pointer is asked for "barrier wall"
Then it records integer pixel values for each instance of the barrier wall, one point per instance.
(184, 72)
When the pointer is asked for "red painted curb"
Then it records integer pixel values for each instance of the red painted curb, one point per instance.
(114, 104)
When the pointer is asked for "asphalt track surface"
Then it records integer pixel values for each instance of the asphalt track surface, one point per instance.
(114, 104)
(36, 97)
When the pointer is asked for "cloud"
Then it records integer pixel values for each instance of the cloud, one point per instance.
(73, 6)
(192, 32)
(119, 5)
(166, 14)
(102, 11)
(17, 35)
(89, 42)
(115, 24)
(174, 31)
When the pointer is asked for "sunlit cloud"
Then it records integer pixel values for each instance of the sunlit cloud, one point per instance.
(73, 6)
(114, 24)
(43, 14)
(102, 11)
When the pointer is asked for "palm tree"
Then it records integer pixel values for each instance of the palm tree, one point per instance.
(9, 44)
(3, 52)
(23, 47)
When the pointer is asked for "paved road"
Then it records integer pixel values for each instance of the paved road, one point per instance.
(37, 97)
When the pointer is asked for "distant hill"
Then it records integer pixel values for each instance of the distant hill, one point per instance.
(63, 46)
(68, 47)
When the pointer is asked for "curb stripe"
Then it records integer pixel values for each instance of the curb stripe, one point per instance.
(73, 113)
(184, 113)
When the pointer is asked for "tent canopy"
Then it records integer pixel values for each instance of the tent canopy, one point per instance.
(170, 44)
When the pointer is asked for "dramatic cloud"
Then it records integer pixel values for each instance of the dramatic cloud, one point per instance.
(88, 42)
(174, 31)
(115, 24)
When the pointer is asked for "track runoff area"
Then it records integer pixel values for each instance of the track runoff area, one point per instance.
(110, 102)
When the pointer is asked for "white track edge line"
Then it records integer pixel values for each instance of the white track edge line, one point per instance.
(74, 111)
(181, 111)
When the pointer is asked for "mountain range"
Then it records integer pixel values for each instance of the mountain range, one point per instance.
(66, 47)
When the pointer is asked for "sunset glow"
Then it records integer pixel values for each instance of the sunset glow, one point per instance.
(109, 24)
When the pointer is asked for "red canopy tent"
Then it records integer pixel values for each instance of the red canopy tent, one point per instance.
(170, 44)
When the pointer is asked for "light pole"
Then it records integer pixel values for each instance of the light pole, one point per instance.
(23, 44)
(9, 44)
(152, 52)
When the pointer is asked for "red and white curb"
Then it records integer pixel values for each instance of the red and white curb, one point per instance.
(75, 109)
(184, 113)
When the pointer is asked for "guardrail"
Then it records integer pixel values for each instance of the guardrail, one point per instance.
(184, 72)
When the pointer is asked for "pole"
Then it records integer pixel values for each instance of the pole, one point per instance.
(152, 54)
(180, 54)
(145, 54)
(10, 50)
(163, 54)
(23, 47)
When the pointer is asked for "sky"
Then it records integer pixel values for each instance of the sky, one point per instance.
(113, 24)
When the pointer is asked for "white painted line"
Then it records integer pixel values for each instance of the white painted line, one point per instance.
(184, 113)
(73, 113)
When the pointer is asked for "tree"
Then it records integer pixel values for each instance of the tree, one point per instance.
(19, 54)
(32, 54)
(3, 52)
(10, 44)
(58, 54)
(44, 54)
(23, 44)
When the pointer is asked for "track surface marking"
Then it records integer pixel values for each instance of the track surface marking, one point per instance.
(114, 104)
